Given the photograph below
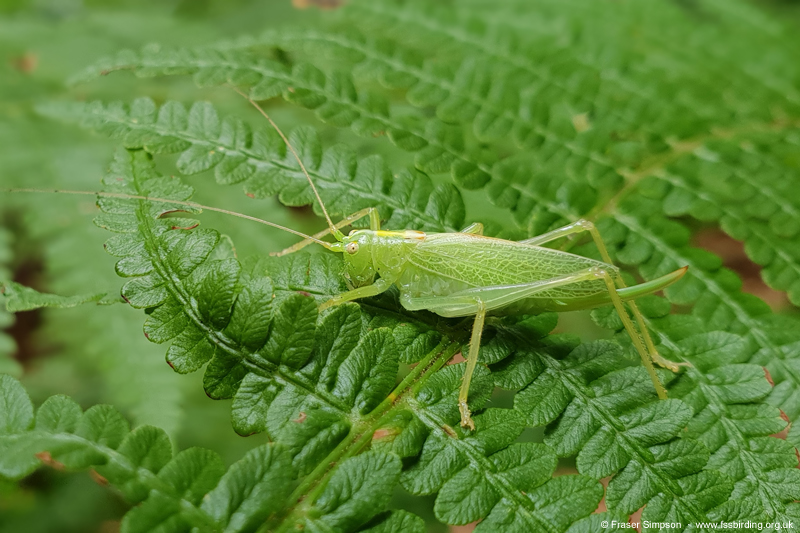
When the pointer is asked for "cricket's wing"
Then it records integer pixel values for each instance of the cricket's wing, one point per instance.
(447, 263)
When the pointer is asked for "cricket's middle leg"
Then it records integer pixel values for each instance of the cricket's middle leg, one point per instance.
(472, 360)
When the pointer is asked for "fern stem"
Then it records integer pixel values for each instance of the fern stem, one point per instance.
(361, 434)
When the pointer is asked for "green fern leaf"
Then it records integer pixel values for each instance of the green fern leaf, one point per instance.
(251, 490)
(356, 492)
(288, 373)
(20, 298)
(313, 393)
(556, 112)
(720, 386)
(708, 184)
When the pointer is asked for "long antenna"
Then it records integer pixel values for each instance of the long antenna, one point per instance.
(336, 233)
(195, 205)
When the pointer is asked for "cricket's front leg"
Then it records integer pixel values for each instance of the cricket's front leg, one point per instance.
(361, 292)
(472, 361)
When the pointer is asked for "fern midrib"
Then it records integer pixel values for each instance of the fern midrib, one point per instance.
(481, 463)
(322, 181)
(720, 408)
(360, 434)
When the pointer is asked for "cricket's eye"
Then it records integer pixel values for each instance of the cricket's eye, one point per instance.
(351, 247)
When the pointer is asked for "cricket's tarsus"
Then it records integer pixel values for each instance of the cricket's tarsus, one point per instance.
(467, 274)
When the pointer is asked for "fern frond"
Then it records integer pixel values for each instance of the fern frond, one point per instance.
(602, 419)
(539, 202)
(557, 111)
(191, 490)
(712, 174)
(718, 387)
(259, 160)
(438, 147)
(656, 245)
(313, 383)
(299, 379)
(486, 476)
(726, 393)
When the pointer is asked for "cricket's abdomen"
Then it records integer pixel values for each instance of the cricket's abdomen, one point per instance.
(444, 265)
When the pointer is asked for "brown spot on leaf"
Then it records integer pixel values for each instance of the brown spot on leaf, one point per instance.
(382, 434)
(100, 480)
(185, 228)
(47, 459)
(768, 376)
(782, 434)
(301, 418)
(457, 358)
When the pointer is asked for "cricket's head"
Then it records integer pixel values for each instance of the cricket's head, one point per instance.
(356, 249)
(367, 253)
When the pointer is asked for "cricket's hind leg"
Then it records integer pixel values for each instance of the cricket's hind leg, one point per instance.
(586, 225)
(649, 353)
(374, 225)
